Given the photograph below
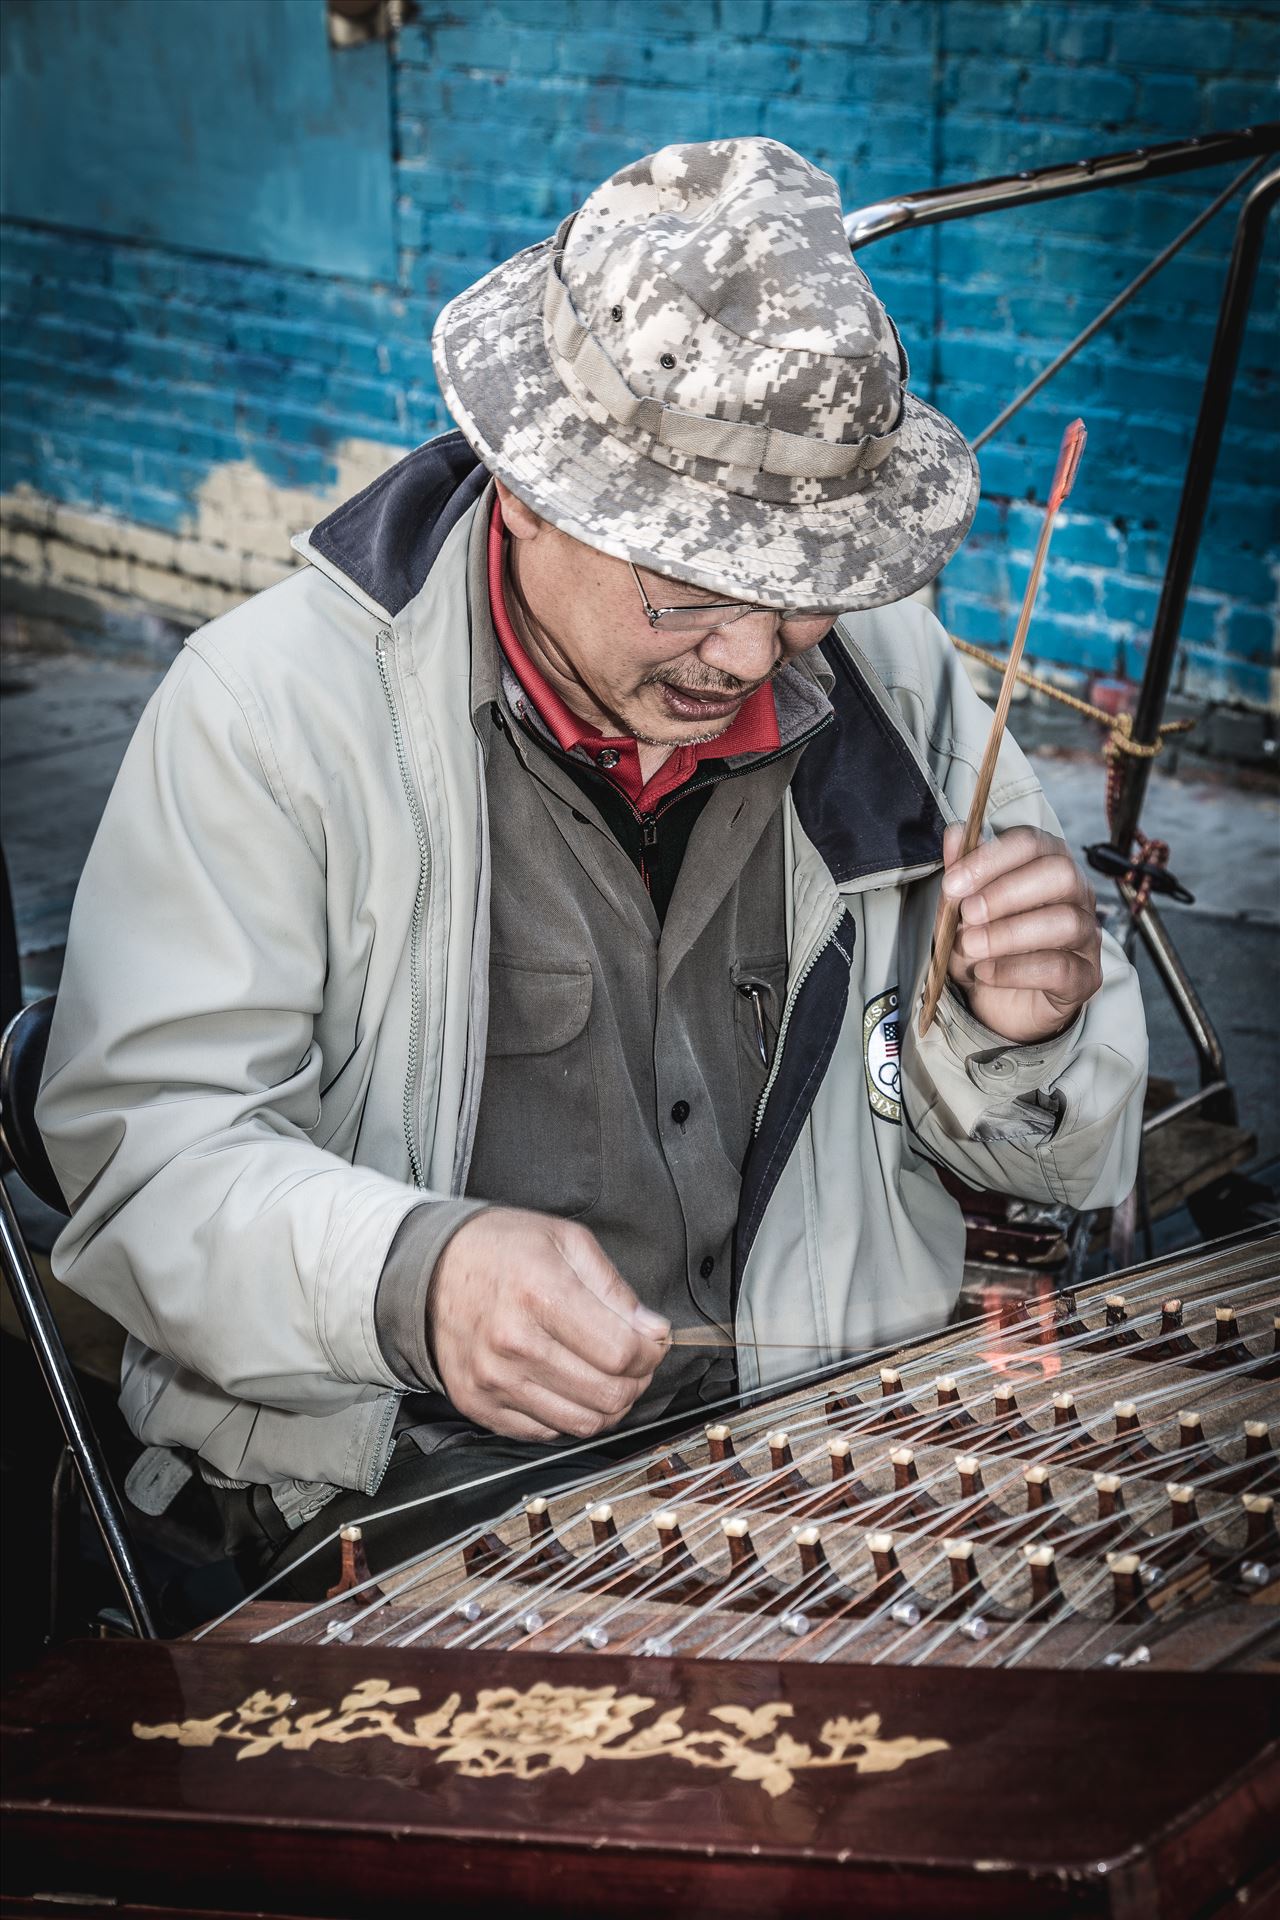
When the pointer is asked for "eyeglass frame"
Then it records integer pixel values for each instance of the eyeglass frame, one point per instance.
(724, 612)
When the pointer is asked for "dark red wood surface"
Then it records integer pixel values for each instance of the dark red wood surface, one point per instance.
(1129, 1794)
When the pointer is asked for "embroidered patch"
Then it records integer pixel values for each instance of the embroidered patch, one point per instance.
(880, 1052)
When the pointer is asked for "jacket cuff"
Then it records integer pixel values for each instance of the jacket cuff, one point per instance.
(999, 1067)
(400, 1303)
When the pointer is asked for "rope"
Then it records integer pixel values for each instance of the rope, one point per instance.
(1120, 744)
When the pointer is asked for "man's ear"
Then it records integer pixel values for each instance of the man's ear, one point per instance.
(521, 522)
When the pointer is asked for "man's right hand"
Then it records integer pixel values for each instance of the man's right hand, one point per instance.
(535, 1334)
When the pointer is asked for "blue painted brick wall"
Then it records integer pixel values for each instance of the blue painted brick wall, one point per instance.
(132, 372)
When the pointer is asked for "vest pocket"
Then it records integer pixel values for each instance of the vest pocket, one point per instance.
(759, 989)
(538, 1132)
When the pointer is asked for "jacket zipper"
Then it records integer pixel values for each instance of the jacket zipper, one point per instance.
(419, 909)
(787, 1011)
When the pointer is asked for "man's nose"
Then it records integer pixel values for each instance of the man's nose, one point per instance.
(748, 648)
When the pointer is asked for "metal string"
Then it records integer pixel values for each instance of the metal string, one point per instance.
(975, 1331)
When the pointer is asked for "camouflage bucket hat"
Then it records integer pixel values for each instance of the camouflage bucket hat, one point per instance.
(693, 374)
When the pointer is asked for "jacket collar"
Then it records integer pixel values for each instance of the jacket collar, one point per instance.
(863, 798)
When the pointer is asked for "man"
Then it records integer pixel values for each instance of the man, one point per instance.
(503, 943)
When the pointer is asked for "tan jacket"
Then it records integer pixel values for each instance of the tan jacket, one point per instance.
(272, 1019)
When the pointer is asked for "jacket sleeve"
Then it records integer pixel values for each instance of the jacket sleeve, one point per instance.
(1059, 1120)
(184, 1076)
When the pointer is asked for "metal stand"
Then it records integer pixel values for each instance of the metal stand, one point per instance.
(1216, 1097)
(81, 1443)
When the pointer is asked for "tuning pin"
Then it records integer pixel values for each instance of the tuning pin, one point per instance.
(1128, 1594)
(1129, 1442)
(743, 1557)
(963, 1563)
(1261, 1462)
(1046, 1591)
(531, 1622)
(604, 1533)
(905, 1472)
(1182, 1505)
(354, 1571)
(813, 1555)
(795, 1623)
(969, 1469)
(884, 1555)
(1261, 1564)
(1007, 1415)
(1069, 1432)
(673, 1552)
(1171, 1343)
(720, 1448)
(545, 1546)
(954, 1415)
(655, 1648)
(1110, 1491)
(1039, 1492)
(594, 1637)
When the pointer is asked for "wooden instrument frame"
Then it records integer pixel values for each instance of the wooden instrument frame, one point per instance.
(1175, 1810)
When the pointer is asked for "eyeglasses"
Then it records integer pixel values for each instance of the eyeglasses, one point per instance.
(720, 613)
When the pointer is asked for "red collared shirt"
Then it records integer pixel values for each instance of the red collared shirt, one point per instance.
(754, 729)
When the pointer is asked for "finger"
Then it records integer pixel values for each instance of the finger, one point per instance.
(993, 857)
(1048, 880)
(1066, 927)
(952, 841)
(565, 1418)
(1067, 978)
(545, 1362)
(603, 1281)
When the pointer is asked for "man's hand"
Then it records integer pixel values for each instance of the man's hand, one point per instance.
(1028, 949)
(534, 1332)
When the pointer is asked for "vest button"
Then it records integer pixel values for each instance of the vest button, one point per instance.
(680, 1112)
(707, 1268)
(608, 758)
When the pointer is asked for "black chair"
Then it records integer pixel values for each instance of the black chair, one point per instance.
(22, 1050)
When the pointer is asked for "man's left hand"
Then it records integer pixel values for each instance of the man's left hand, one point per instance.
(1027, 950)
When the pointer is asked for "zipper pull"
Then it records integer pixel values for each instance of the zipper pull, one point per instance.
(755, 994)
(649, 830)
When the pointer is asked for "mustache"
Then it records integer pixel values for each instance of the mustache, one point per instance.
(706, 680)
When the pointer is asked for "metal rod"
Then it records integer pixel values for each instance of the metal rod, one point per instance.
(1113, 307)
(1219, 380)
(1179, 1107)
(73, 1416)
(1038, 184)
(1186, 1004)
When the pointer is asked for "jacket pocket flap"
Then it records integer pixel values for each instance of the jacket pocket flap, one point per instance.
(535, 1009)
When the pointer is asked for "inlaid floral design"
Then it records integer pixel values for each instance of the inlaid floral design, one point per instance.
(545, 1729)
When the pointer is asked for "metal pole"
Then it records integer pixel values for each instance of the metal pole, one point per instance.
(1219, 380)
(1038, 184)
(73, 1416)
(1187, 1005)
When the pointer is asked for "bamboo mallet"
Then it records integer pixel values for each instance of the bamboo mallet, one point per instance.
(949, 918)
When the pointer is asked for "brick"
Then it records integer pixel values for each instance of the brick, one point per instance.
(1130, 602)
(1253, 633)
(1103, 100)
(828, 23)
(1080, 35)
(22, 552)
(1143, 37)
(1011, 32)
